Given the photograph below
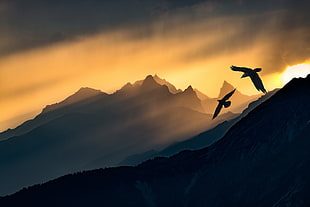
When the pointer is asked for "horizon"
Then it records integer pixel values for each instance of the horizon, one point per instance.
(49, 50)
(21, 119)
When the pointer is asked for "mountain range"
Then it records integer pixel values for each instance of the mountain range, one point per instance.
(263, 160)
(239, 101)
(200, 141)
(92, 129)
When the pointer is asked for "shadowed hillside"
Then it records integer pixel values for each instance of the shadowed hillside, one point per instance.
(263, 160)
(92, 129)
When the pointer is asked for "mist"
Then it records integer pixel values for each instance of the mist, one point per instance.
(194, 45)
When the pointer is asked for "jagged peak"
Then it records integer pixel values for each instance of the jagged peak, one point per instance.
(189, 89)
(150, 83)
(161, 81)
(226, 87)
(227, 84)
(127, 86)
(149, 78)
(170, 86)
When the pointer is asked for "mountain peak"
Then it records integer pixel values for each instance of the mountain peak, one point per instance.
(127, 86)
(162, 81)
(82, 94)
(226, 88)
(189, 89)
(149, 83)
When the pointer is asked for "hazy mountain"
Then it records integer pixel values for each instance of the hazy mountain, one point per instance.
(239, 101)
(200, 95)
(200, 141)
(171, 87)
(263, 160)
(80, 95)
(91, 129)
(84, 94)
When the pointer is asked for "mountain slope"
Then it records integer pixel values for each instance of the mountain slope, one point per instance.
(263, 160)
(202, 140)
(99, 131)
(78, 98)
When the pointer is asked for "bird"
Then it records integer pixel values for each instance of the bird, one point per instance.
(252, 73)
(223, 102)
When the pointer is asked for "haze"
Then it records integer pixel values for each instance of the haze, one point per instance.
(188, 45)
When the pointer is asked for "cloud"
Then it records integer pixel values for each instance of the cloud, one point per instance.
(32, 24)
(29, 88)
(188, 45)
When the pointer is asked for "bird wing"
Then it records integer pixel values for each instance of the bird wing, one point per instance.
(258, 83)
(257, 70)
(228, 95)
(217, 110)
(241, 69)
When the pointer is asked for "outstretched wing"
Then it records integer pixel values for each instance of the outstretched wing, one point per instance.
(257, 70)
(241, 69)
(228, 95)
(217, 110)
(258, 83)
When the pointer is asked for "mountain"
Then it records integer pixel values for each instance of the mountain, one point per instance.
(172, 89)
(200, 141)
(263, 160)
(80, 95)
(83, 94)
(239, 101)
(197, 142)
(92, 129)
(200, 95)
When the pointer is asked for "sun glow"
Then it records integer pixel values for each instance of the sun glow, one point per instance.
(295, 71)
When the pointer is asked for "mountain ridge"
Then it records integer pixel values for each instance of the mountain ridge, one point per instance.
(247, 167)
(100, 131)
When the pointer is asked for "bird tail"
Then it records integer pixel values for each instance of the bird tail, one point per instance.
(227, 104)
(263, 90)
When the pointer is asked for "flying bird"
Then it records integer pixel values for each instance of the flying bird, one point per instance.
(252, 73)
(223, 102)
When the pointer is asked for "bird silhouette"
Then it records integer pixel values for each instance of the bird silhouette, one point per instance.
(252, 73)
(223, 102)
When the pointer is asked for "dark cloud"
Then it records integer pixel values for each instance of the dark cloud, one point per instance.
(35, 23)
(32, 23)
(284, 29)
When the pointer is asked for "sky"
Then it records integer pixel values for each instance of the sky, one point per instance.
(50, 49)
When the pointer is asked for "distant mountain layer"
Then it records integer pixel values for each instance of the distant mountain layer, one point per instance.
(200, 141)
(92, 129)
(263, 160)
(82, 95)
(239, 101)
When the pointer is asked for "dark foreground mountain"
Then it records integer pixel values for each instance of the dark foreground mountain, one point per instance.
(92, 129)
(263, 160)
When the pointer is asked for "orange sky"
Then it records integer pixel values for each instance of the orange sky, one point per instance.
(197, 54)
